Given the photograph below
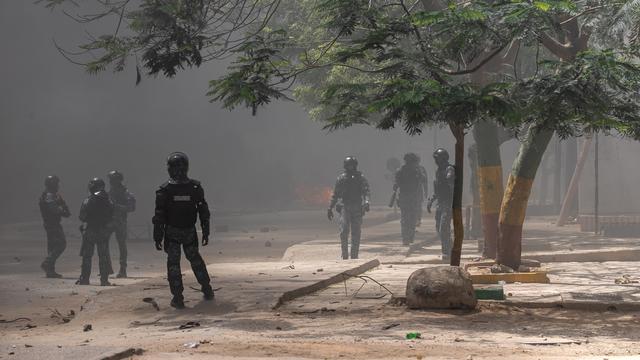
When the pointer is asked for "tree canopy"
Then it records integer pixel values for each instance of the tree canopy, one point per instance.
(392, 62)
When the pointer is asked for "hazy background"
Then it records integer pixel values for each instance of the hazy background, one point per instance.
(56, 119)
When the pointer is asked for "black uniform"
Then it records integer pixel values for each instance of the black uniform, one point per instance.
(53, 208)
(411, 181)
(124, 202)
(351, 200)
(178, 205)
(443, 194)
(97, 213)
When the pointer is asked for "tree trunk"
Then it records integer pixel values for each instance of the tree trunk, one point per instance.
(516, 196)
(458, 225)
(490, 183)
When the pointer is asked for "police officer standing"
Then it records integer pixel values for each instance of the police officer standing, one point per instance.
(443, 194)
(351, 200)
(53, 208)
(97, 213)
(179, 202)
(411, 182)
(124, 202)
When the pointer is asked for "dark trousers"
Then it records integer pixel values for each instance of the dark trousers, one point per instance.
(56, 243)
(408, 221)
(96, 237)
(350, 221)
(443, 227)
(188, 240)
(120, 231)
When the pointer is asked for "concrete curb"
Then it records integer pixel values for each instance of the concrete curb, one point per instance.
(119, 354)
(570, 305)
(323, 284)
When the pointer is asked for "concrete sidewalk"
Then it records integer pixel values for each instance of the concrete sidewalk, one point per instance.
(582, 267)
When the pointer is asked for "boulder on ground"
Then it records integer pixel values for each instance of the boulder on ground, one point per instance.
(441, 287)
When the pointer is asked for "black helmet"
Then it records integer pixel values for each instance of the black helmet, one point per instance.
(350, 162)
(441, 155)
(178, 165)
(411, 158)
(115, 176)
(95, 185)
(51, 183)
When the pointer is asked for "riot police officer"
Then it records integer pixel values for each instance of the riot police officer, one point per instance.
(124, 202)
(97, 213)
(411, 182)
(53, 208)
(179, 202)
(443, 194)
(351, 200)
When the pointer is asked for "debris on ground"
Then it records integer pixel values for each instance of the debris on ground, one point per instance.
(320, 270)
(322, 310)
(626, 279)
(413, 335)
(3, 321)
(189, 325)
(150, 300)
(55, 314)
(267, 243)
(191, 345)
(87, 327)
(292, 267)
(501, 269)
(387, 327)
(28, 326)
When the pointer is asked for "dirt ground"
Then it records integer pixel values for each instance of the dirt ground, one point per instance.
(36, 320)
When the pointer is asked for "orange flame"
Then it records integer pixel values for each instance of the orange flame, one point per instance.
(314, 195)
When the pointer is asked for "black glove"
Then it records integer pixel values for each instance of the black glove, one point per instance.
(205, 240)
(158, 245)
(429, 203)
(366, 207)
(330, 214)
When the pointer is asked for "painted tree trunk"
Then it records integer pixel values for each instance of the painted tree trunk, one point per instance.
(458, 225)
(489, 175)
(516, 195)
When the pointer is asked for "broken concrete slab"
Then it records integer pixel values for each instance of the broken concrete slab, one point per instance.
(322, 284)
(118, 354)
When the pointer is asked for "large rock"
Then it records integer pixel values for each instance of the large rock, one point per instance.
(440, 287)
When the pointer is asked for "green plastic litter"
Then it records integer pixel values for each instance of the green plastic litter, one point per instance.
(495, 292)
(413, 335)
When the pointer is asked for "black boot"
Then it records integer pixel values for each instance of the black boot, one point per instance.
(177, 302)
(85, 272)
(208, 293)
(122, 273)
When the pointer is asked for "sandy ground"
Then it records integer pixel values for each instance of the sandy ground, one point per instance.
(343, 321)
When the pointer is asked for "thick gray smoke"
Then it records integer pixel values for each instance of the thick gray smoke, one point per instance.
(55, 118)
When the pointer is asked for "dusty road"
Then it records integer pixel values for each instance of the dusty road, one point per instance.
(47, 317)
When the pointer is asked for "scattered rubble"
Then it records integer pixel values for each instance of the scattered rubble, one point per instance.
(150, 300)
(189, 325)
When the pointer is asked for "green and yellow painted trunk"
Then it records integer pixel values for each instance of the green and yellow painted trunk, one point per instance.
(516, 195)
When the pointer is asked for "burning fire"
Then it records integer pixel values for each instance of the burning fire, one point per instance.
(314, 195)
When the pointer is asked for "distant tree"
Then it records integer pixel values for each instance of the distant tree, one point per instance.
(386, 63)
